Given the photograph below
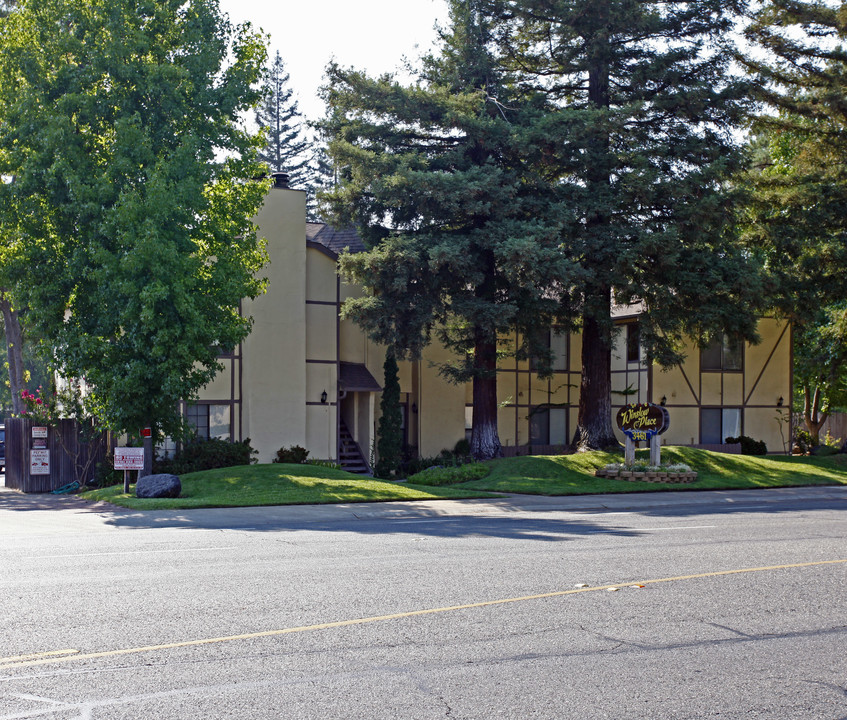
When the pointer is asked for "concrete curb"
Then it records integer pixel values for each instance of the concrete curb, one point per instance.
(508, 505)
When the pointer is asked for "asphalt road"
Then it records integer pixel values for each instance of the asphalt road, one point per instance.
(520, 608)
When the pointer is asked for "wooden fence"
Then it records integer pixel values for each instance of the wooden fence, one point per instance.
(66, 434)
(836, 424)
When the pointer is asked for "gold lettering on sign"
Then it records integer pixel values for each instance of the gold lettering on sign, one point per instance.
(636, 417)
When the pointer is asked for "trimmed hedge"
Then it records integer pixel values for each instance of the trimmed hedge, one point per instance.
(450, 475)
(207, 455)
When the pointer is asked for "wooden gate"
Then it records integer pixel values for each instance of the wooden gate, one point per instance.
(67, 456)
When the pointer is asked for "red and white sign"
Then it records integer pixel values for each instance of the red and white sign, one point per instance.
(39, 462)
(127, 458)
(146, 432)
(39, 432)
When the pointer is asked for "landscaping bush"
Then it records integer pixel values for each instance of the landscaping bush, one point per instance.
(462, 448)
(324, 464)
(749, 446)
(803, 440)
(207, 455)
(294, 455)
(105, 475)
(450, 475)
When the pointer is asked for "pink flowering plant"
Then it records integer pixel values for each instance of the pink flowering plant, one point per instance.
(39, 408)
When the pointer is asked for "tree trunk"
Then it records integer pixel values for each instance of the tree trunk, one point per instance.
(594, 423)
(485, 440)
(14, 351)
(812, 417)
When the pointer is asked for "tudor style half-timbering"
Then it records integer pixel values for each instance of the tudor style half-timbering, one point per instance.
(306, 377)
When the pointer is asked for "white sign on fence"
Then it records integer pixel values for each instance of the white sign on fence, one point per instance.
(39, 462)
(129, 458)
(39, 432)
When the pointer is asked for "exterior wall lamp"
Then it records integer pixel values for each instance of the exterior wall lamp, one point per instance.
(414, 408)
(780, 401)
(323, 398)
(664, 400)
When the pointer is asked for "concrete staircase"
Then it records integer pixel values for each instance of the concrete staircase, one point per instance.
(350, 455)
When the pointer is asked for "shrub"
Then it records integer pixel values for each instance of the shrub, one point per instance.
(105, 475)
(390, 443)
(447, 458)
(749, 446)
(450, 475)
(804, 441)
(462, 448)
(207, 455)
(324, 464)
(295, 455)
(823, 450)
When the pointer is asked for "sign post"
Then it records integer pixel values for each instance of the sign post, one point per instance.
(643, 421)
(126, 459)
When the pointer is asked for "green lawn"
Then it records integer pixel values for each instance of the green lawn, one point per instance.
(277, 484)
(574, 474)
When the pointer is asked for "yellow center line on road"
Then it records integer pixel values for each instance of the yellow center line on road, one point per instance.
(56, 656)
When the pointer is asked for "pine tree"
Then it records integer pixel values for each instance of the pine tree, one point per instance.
(288, 148)
(436, 176)
(389, 431)
(642, 109)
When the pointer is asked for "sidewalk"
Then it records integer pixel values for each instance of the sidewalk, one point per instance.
(32, 511)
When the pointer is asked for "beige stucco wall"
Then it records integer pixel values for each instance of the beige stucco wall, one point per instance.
(274, 391)
(765, 378)
(290, 359)
(441, 405)
(221, 386)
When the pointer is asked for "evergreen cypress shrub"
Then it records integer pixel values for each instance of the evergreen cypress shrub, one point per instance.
(389, 430)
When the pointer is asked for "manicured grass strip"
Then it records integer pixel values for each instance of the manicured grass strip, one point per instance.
(574, 474)
(277, 484)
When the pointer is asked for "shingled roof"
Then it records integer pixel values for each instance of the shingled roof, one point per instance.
(336, 241)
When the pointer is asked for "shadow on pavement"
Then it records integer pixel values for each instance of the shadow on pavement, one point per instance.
(513, 517)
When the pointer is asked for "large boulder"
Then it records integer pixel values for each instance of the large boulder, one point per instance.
(163, 485)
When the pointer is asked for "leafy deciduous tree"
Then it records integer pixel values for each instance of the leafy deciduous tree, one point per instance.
(134, 244)
(796, 214)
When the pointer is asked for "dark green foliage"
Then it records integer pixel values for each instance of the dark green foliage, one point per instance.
(389, 430)
(824, 450)
(804, 441)
(287, 149)
(640, 109)
(288, 145)
(450, 475)
(207, 455)
(446, 458)
(324, 464)
(105, 475)
(558, 156)
(295, 455)
(462, 448)
(464, 236)
(797, 218)
(749, 446)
